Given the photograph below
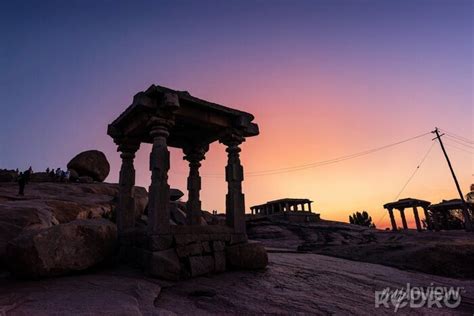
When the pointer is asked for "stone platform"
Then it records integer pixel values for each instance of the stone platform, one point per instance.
(190, 251)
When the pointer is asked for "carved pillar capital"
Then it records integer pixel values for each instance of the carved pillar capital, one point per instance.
(195, 153)
(128, 149)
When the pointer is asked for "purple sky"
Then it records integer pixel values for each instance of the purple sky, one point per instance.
(326, 78)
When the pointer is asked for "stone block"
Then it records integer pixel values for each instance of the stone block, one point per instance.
(219, 261)
(160, 242)
(163, 264)
(201, 265)
(218, 245)
(220, 236)
(238, 239)
(206, 247)
(189, 250)
(184, 239)
(250, 255)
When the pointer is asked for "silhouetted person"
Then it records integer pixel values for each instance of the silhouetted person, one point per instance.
(21, 184)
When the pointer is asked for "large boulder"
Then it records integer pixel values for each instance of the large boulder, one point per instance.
(17, 216)
(61, 249)
(91, 163)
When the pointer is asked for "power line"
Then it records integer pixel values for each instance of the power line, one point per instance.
(331, 161)
(459, 148)
(452, 139)
(321, 163)
(409, 179)
(467, 140)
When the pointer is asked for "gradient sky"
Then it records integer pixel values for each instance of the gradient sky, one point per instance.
(323, 79)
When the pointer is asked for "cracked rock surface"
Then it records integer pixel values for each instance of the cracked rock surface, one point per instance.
(292, 283)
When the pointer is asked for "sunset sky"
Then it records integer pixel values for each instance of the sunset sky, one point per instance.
(323, 78)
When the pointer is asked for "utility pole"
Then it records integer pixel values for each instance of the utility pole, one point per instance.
(465, 211)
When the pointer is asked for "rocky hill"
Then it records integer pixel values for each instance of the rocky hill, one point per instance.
(446, 253)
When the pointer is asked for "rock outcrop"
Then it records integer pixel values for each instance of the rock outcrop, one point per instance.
(446, 253)
(49, 204)
(62, 249)
(8, 175)
(91, 163)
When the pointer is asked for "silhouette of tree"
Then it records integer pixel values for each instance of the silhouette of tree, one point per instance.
(362, 219)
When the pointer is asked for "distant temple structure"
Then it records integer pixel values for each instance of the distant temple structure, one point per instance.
(295, 210)
(401, 205)
(442, 212)
(168, 118)
(436, 215)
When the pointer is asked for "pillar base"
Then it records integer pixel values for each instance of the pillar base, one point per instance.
(191, 251)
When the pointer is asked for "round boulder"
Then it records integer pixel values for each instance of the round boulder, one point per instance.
(91, 163)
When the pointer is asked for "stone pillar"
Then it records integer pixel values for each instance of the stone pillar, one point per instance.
(444, 216)
(404, 220)
(392, 220)
(436, 221)
(417, 219)
(273, 208)
(125, 211)
(159, 191)
(287, 207)
(194, 155)
(234, 175)
(302, 206)
(309, 206)
(467, 219)
(429, 222)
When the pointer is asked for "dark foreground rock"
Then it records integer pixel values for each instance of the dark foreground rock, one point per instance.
(293, 284)
(62, 249)
(91, 163)
(48, 204)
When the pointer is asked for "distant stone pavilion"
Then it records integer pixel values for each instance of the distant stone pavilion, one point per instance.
(294, 210)
(436, 215)
(403, 204)
(164, 117)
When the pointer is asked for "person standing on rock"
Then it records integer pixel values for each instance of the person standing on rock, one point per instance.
(21, 184)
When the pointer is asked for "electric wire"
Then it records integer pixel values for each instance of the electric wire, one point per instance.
(409, 179)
